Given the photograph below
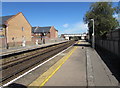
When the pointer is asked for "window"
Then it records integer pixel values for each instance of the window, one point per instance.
(22, 28)
(2, 36)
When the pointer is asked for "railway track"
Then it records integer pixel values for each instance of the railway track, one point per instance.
(11, 61)
(14, 67)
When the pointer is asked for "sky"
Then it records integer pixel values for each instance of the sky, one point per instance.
(66, 17)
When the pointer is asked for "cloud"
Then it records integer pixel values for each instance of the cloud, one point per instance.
(78, 27)
(65, 25)
(115, 15)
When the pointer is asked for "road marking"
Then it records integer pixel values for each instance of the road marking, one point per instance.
(40, 81)
(33, 68)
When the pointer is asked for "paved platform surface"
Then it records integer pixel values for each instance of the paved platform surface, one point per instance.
(4, 52)
(72, 72)
(78, 66)
(83, 67)
(97, 72)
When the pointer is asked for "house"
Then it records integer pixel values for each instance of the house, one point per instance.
(48, 32)
(42, 34)
(15, 30)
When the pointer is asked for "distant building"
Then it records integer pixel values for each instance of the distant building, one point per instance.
(47, 32)
(15, 30)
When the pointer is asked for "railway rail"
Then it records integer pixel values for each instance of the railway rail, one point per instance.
(18, 64)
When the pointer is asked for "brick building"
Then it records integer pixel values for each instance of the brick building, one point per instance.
(49, 32)
(15, 30)
(40, 33)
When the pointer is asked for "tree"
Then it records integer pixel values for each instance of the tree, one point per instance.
(118, 12)
(102, 13)
(117, 9)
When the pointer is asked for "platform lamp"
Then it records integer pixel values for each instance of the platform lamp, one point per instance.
(43, 36)
(93, 34)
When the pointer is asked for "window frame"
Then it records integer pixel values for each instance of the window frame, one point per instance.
(23, 29)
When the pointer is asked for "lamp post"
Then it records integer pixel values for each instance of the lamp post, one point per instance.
(43, 37)
(93, 34)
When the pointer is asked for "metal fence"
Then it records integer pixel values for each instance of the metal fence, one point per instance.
(112, 43)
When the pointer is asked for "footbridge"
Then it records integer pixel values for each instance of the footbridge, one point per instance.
(74, 36)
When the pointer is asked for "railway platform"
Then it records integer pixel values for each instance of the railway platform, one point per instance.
(75, 67)
(82, 66)
(4, 52)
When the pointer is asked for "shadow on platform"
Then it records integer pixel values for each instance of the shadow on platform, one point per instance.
(112, 62)
(84, 45)
(15, 85)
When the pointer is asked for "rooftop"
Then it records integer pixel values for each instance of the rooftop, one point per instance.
(41, 29)
(3, 19)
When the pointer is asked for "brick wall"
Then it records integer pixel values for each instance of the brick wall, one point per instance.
(53, 32)
(18, 30)
(2, 42)
(34, 39)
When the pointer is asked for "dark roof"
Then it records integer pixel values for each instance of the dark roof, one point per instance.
(41, 29)
(33, 28)
(4, 18)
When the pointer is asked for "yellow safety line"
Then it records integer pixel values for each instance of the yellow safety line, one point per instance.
(40, 81)
(58, 67)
